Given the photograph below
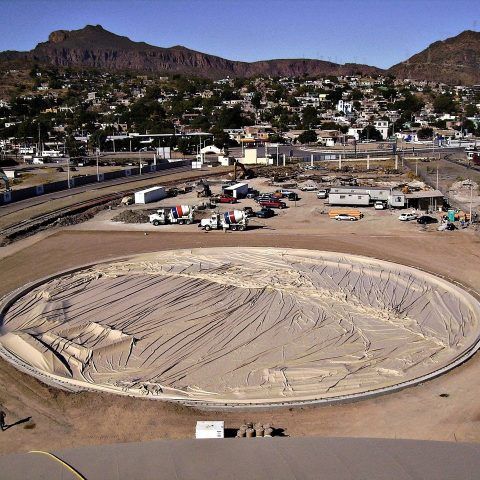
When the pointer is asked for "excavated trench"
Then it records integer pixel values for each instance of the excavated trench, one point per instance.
(240, 326)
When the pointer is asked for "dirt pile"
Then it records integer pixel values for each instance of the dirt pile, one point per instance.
(464, 190)
(132, 216)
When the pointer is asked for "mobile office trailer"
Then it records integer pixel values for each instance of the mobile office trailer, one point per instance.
(239, 190)
(345, 198)
(152, 194)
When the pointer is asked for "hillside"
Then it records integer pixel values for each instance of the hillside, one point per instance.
(93, 46)
(455, 60)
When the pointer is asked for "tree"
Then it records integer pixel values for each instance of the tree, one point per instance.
(471, 110)
(97, 140)
(370, 133)
(445, 104)
(230, 118)
(308, 136)
(409, 105)
(309, 117)
(335, 95)
(220, 139)
(256, 100)
(425, 133)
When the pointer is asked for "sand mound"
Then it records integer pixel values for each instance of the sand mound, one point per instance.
(242, 325)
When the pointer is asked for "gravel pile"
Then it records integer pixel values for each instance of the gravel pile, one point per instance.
(132, 216)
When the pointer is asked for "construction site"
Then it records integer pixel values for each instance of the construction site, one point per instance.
(239, 294)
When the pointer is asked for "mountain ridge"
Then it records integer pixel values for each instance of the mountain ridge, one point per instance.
(453, 60)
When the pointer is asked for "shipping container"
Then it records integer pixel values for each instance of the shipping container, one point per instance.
(152, 194)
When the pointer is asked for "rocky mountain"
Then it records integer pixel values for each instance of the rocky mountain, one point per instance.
(455, 60)
(93, 46)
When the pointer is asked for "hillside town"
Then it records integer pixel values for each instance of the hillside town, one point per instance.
(79, 111)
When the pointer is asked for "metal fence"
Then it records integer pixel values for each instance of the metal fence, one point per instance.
(30, 192)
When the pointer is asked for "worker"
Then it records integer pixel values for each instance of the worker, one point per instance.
(3, 427)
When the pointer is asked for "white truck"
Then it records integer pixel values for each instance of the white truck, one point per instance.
(232, 220)
(180, 214)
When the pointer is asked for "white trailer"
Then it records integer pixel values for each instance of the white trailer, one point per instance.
(344, 198)
(239, 190)
(152, 194)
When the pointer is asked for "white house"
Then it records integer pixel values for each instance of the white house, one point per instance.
(345, 107)
(382, 127)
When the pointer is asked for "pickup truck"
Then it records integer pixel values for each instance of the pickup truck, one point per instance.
(272, 204)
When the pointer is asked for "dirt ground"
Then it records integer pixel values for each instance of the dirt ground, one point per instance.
(62, 420)
(309, 215)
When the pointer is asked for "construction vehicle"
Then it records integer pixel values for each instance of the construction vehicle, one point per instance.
(246, 173)
(128, 200)
(232, 220)
(181, 214)
(203, 189)
(4, 177)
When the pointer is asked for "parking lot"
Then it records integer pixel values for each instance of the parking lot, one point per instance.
(308, 215)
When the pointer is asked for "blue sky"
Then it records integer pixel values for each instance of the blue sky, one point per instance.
(376, 32)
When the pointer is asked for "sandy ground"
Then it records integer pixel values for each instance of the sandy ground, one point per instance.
(62, 419)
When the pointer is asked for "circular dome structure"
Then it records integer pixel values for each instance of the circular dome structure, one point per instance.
(240, 326)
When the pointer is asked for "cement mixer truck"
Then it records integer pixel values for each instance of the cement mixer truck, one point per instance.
(232, 220)
(180, 214)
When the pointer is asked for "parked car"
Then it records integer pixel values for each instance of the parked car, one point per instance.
(308, 188)
(252, 193)
(293, 196)
(265, 213)
(248, 211)
(345, 216)
(379, 205)
(226, 199)
(425, 220)
(406, 217)
(322, 194)
(265, 196)
(273, 204)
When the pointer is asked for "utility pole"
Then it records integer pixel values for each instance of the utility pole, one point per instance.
(471, 200)
(98, 153)
(437, 177)
(68, 171)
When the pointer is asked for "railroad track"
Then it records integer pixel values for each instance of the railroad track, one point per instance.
(32, 225)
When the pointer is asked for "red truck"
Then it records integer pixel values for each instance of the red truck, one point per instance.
(273, 204)
(224, 199)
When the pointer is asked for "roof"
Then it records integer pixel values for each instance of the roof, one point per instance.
(237, 185)
(237, 459)
(151, 189)
(425, 194)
